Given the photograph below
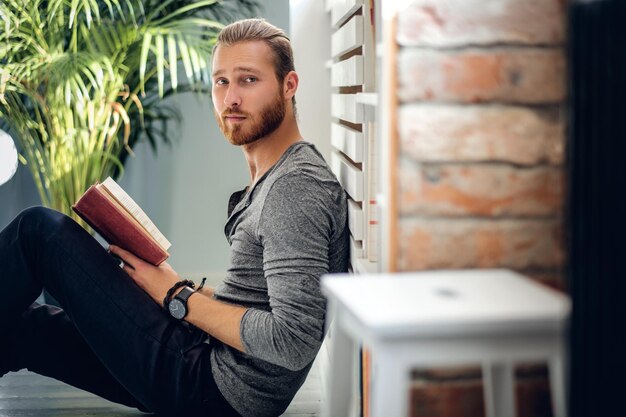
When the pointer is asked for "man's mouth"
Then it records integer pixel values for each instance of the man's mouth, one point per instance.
(234, 118)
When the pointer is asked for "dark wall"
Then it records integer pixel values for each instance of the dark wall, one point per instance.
(597, 207)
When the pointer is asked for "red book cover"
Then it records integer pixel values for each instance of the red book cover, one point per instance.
(118, 227)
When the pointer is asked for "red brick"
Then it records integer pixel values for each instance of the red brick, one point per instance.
(530, 370)
(509, 75)
(446, 374)
(481, 22)
(449, 399)
(521, 135)
(523, 370)
(532, 392)
(479, 190)
(554, 279)
(441, 243)
(459, 392)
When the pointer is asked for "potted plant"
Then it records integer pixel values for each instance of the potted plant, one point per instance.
(82, 81)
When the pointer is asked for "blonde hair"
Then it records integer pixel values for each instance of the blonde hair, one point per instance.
(247, 30)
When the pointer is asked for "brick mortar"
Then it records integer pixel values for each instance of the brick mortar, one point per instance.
(487, 218)
(560, 106)
(488, 47)
(504, 103)
(419, 164)
(482, 49)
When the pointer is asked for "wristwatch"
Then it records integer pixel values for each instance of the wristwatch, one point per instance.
(178, 306)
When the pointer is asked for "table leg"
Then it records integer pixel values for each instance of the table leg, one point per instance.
(557, 386)
(389, 385)
(339, 386)
(499, 390)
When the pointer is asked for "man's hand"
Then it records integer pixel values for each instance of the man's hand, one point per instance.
(154, 280)
(220, 320)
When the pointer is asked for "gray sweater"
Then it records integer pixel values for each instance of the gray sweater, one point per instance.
(284, 233)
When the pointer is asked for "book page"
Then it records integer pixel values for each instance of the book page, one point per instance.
(133, 208)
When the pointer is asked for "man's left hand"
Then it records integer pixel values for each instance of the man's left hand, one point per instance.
(154, 280)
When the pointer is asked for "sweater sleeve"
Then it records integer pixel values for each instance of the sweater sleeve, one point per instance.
(296, 226)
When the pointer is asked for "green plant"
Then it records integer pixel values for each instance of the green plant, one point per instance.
(82, 81)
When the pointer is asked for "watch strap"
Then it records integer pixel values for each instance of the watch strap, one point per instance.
(184, 294)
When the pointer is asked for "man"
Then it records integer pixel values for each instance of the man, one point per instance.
(242, 349)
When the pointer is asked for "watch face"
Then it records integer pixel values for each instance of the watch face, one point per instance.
(177, 309)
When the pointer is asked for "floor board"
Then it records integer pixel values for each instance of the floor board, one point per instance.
(25, 394)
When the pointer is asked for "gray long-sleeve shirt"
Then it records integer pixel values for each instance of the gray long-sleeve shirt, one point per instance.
(284, 233)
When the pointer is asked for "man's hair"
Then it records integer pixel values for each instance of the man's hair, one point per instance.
(248, 30)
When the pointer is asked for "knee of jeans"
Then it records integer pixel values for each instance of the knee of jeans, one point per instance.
(40, 219)
(36, 212)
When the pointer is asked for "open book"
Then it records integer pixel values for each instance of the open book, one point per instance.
(120, 221)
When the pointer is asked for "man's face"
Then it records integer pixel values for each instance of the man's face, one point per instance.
(248, 101)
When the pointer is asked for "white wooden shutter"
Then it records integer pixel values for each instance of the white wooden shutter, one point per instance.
(353, 130)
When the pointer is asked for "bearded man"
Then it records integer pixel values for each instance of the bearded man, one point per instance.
(144, 337)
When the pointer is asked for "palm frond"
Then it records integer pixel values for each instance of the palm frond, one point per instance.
(184, 38)
(224, 11)
(71, 74)
(81, 76)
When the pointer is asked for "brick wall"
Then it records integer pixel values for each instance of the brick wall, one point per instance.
(481, 88)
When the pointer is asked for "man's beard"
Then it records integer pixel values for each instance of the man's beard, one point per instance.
(271, 116)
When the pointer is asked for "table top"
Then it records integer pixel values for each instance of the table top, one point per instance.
(447, 302)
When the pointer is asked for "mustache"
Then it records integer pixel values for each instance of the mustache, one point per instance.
(234, 112)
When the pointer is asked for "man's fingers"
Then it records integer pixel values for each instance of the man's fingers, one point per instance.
(128, 269)
(128, 258)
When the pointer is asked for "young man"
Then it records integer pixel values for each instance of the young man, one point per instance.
(242, 349)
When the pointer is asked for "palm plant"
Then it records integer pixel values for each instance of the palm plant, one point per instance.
(82, 81)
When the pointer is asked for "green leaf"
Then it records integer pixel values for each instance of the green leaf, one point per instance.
(75, 7)
(131, 10)
(186, 9)
(145, 48)
(195, 63)
(159, 9)
(184, 53)
(96, 9)
(109, 6)
(87, 7)
(160, 63)
(173, 60)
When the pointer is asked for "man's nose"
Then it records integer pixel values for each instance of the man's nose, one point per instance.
(232, 97)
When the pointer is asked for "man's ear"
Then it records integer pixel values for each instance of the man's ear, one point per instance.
(290, 85)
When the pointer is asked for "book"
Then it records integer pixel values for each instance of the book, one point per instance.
(115, 216)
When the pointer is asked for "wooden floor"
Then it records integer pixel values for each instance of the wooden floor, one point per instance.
(24, 394)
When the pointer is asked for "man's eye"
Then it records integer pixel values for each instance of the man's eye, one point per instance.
(221, 82)
(250, 79)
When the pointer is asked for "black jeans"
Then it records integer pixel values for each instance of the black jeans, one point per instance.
(110, 337)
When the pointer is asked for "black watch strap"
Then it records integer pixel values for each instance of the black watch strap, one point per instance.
(184, 294)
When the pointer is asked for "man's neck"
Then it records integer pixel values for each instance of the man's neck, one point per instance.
(265, 152)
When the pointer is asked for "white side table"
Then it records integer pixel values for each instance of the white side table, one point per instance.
(443, 318)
